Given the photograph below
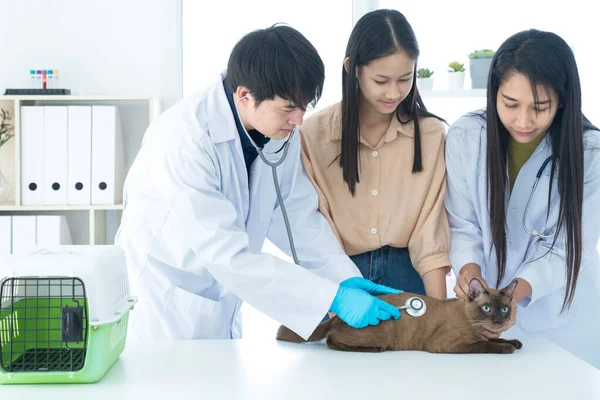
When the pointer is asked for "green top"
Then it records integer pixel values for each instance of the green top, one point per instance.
(518, 154)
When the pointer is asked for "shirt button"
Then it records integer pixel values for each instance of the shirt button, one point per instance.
(374, 192)
(374, 231)
(375, 154)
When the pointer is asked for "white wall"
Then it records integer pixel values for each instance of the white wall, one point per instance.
(328, 30)
(100, 47)
(108, 47)
(449, 31)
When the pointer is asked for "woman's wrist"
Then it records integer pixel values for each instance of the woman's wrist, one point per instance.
(435, 282)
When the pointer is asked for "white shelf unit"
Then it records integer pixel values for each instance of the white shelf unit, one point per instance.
(114, 207)
(145, 107)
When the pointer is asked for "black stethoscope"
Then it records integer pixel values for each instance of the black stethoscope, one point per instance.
(540, 234)
(274, 166)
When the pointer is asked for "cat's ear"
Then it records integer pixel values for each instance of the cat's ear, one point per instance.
(510, 289)
(476, 289)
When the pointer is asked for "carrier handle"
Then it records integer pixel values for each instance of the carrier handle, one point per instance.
(124, 307)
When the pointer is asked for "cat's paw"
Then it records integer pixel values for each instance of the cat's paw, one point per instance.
(513, 342)
(516, 343)
(508, 348)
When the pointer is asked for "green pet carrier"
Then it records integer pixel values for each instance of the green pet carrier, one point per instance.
(63, 314)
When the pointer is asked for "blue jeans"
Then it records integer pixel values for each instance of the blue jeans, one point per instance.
(390, 266)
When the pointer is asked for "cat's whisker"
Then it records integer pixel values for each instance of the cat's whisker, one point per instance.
(479, 324)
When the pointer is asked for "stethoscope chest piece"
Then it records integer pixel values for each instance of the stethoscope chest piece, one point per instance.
(414, 306)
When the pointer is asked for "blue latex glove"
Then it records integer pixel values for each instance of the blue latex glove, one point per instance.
(368, 286)
(358, 308)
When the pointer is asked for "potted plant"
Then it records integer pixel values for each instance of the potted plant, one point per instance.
(456, 76)
(6, 133)
(479, 67)
(424, 79)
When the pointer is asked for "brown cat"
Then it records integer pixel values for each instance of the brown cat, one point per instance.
(448, 326)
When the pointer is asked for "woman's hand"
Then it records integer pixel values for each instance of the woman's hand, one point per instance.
(467, 272)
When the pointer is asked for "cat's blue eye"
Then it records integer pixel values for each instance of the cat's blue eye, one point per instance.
(486, 308)
(504, 310)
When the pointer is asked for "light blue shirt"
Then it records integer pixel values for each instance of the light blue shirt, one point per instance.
(528, 257)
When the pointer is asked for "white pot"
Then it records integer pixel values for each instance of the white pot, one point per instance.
(456, 80)
(425, 83)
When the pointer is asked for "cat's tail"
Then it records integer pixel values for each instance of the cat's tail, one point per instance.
(287, 335)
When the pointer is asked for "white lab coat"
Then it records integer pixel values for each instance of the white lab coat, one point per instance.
(468, 210)
(193, 229)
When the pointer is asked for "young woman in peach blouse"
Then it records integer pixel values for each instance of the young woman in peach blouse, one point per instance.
(377, 161)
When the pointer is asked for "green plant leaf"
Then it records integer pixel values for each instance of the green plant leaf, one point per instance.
(424, 73)
(483, 53)
(455, 66)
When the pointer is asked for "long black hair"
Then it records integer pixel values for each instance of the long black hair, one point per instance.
(544, 59)
(377, 34)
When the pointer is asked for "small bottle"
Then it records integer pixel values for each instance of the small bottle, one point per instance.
(50, 79)
(55, 78)
(38, 79)
(44, 79)
(32, 78)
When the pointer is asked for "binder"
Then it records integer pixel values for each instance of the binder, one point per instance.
(32, 155)
(55, 155)
(79, 155)
(108, 162)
